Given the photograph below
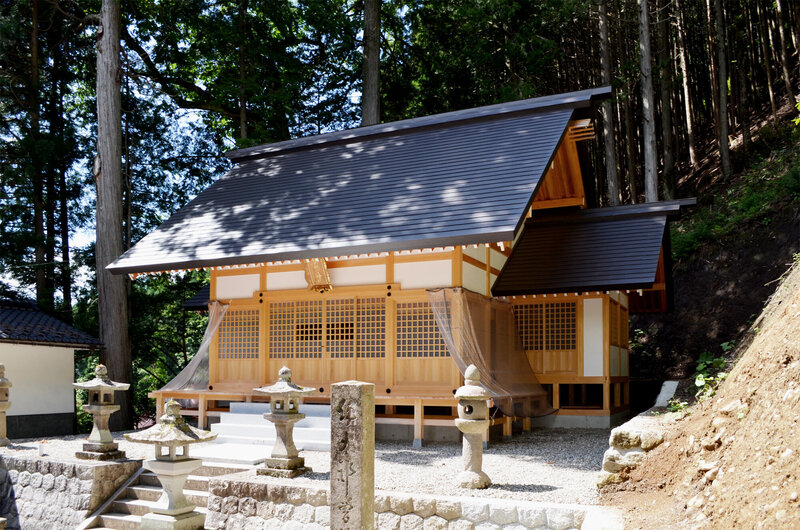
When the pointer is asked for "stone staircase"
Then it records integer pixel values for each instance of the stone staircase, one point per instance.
(126, 511)
(245, 437)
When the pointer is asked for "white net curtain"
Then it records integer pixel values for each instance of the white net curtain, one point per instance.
(195, 375)
(482, 331)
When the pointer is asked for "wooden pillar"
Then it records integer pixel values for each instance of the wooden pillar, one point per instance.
(419, 423)
(507, 426)
(201, 412)
(486, 438)
(526, 424)
(159, 406)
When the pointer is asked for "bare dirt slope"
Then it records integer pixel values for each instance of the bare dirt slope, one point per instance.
(734, 462)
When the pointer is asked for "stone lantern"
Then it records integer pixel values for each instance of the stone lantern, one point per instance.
(5, 384)
(473, 421)
(101, 405)
(284, 412)
(171, 438)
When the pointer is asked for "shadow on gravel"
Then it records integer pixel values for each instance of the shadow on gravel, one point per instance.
(415, 458)
(530, 488)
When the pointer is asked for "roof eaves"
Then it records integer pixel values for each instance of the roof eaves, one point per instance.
(55, 344)
(411, 244)
(578, 99)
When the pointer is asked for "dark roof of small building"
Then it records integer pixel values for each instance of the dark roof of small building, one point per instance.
(23, 322)
(588, 250)
(199, 302)
(456, 178)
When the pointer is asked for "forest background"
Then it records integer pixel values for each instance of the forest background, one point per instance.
(198, 77)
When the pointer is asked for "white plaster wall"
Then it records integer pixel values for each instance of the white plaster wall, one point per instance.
(492, 279)
(477, 253)
(623, 362)
(41, 376)
(277, 281)
(614, 361)
(497, 259)
(623, 299)
(237, 286)
(361, 275)
(592, 337)
(473, 278)
(424, 274)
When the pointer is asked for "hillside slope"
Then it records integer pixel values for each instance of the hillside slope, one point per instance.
(733, 462)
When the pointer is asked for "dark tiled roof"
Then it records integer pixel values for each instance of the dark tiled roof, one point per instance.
(588, 250)
(24, 322)
(456, 178)
(199, 302)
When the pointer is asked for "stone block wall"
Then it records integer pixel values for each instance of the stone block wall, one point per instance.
(247, 500)
(41, 494)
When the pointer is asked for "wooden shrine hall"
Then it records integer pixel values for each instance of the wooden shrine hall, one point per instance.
(324, 249)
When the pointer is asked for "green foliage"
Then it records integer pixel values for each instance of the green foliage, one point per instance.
(708, 374)
(767, 186)
(676, 405)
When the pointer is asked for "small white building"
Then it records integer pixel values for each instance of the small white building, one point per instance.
(38, 351)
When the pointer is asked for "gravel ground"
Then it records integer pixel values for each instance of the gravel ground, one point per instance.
(547, 465)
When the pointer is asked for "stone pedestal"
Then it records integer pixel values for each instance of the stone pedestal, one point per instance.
(284, 412)
(173, 510)
(352, 494)
(100, 445)
(173, 474)
(473, 421)
(473, 476)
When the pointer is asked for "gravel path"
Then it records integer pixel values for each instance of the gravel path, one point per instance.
(547, 465)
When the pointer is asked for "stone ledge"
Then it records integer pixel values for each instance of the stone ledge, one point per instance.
(260, 501)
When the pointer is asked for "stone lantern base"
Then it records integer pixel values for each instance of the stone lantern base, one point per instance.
(100, 451)
(284, 467)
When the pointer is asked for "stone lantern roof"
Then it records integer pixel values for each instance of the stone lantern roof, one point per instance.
(472, 389)
(284, 386)
(101, 382)
(172, 431)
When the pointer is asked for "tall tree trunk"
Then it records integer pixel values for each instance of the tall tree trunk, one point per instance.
(648, 111)
(687, 95)
(112, 290)
(36, 170)
(724, 149)
(762, 37)
(714, 65)
(242, 23)
(665, 89)
(612, 176)
(787, 77)
(370, 95)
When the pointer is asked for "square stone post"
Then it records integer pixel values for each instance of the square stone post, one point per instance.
(352, 455)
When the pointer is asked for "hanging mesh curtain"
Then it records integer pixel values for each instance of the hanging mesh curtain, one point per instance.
(482, 331)
(195, 375)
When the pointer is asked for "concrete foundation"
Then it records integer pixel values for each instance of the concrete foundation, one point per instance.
(561, 421)
(433, 433)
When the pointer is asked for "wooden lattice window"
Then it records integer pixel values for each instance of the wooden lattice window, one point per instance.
(308, 329)
(530, 324)
(614, 323)
(417, 332)
(238, 334)
(281, 330)
(371, 327)
(547, 325)
(340, 328)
